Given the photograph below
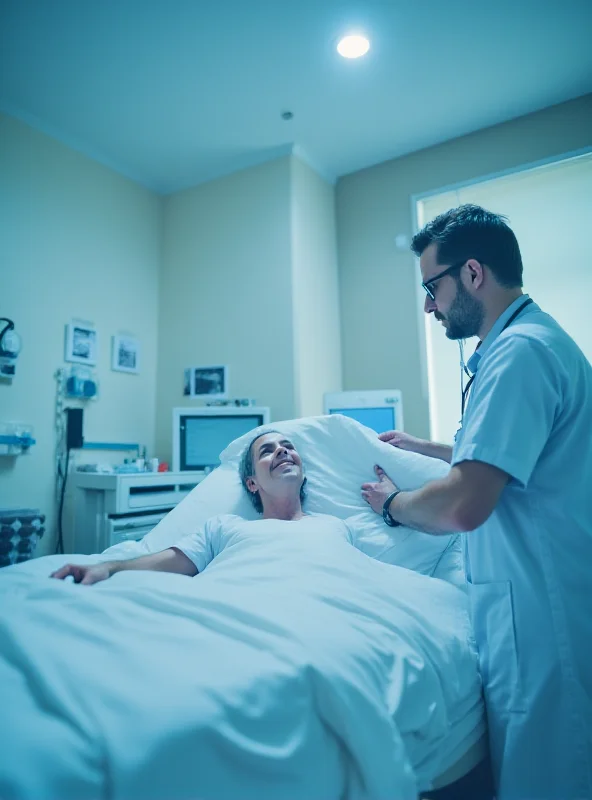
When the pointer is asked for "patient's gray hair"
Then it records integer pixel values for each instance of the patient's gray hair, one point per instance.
(246, 470)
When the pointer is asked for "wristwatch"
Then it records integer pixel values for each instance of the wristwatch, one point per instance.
(386, 514)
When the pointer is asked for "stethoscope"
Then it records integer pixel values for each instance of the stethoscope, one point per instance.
(464, 370)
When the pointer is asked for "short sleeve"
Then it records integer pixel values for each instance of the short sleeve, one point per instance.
(512, 408)
(203, 546)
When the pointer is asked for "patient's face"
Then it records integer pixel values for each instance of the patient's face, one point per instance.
(276, 464)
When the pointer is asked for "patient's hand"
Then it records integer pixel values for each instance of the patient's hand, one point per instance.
(403, 441)
(91, 573)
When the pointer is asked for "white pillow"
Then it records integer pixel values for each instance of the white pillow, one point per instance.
(339, 455)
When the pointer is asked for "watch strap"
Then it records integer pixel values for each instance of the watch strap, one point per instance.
(386, 514)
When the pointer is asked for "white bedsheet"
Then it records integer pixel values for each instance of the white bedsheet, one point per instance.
(308, 671)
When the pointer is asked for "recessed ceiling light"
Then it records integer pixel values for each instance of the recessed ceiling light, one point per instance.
(353, 46)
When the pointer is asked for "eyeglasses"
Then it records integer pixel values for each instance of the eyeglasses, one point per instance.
(430, 286)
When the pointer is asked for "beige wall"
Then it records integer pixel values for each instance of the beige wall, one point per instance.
(226, 291)
(239, 271)
(317, 335)
(77, 241)
(381, 338)
(249, 279)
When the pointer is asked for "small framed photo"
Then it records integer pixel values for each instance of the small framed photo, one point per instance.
(209, 383)
(125, 354)
(81, 343)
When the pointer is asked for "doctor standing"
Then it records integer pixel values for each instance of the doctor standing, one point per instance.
(520, 486)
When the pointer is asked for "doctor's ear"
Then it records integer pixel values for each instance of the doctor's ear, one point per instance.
(476, 272)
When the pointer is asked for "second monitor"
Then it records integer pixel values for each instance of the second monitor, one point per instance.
(379, 409)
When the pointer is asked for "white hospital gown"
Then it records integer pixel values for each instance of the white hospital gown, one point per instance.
(229, 530)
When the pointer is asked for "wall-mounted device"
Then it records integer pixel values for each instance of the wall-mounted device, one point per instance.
(200, 434)
(74, 423)
(379, 409)
(15, 438)
(10, 347)
(80, 383)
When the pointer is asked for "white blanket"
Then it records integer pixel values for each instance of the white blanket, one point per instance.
(305, 671)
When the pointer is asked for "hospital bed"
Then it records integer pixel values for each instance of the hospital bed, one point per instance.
(457, 778)
(244, 685)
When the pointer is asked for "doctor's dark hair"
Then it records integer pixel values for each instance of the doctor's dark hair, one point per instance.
(246, 470)
(470, 231)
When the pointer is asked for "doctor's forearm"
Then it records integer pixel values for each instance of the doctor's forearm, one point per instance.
(432, 509)
(442, 452)
(458, 503)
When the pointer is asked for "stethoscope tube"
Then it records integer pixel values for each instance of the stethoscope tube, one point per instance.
(464, 391)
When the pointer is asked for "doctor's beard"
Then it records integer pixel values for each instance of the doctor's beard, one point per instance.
(465, 315)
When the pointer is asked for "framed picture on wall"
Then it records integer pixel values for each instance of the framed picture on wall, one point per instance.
(208, 383)
(81, 343)
(125, 353)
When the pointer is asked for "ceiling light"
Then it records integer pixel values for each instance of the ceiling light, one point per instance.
(353, 46)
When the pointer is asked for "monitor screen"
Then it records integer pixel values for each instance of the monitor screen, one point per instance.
(379, 419)
(202, 439)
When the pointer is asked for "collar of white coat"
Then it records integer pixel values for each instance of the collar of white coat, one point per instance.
(497, 328)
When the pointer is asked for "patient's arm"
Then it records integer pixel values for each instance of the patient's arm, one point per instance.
(405, 441)
(170, 560)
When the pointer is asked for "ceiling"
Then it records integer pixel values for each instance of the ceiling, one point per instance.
(175, 93)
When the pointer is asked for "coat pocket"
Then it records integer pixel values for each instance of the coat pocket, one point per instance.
(492, 614)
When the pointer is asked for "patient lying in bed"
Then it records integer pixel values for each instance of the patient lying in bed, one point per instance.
(294, 667)
(272, 472)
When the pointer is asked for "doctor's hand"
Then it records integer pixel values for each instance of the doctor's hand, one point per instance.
(403, 441)
(90, 573)
(376, 493)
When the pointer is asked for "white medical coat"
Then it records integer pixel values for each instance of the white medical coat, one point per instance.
(529, 567)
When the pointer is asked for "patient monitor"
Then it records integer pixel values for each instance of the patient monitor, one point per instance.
(200, 434)
(379, 409)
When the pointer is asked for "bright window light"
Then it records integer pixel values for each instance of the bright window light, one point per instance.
(353, 46)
